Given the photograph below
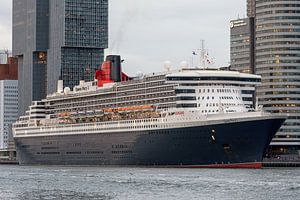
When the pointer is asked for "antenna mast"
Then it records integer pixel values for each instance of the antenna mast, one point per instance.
(6, 52)
(202, 54)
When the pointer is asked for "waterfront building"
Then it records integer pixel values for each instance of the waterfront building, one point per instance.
(277, 61)
(242, 53)
(57, 39)
(8, 109)
(242, 45)
(8, 100)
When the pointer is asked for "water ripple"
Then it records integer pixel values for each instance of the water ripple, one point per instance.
(72, 183)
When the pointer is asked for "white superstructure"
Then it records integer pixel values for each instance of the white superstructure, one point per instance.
(168, 99)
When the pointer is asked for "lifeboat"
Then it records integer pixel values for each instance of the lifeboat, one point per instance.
(65, 114)
(136, 108)
(110, 110)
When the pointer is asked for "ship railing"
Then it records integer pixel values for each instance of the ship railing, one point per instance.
(130, 125)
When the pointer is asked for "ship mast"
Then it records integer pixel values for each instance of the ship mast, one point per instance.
(202, 55)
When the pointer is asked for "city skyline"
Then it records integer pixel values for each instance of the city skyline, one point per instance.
(57, 39)
(148, 26)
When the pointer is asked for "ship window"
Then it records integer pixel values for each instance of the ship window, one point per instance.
(183, 91)
(226, 147)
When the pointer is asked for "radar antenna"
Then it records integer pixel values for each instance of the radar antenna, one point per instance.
(204, 60)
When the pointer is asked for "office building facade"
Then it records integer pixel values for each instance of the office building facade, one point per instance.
(8, 109)
(56, 39)
(278, 62)
(242, 55)
(78, 37)
(30, 44)
(242, 45)
(251, 8)
(8, 99)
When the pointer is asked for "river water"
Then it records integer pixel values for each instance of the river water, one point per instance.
(19, 182)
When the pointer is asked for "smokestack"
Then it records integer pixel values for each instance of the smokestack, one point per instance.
(116, 71)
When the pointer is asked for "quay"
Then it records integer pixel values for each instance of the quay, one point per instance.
(8, 162)
(280, 164)
(9, 156)
(282, 161)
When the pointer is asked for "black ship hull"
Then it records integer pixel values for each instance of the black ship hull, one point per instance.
(236, 144)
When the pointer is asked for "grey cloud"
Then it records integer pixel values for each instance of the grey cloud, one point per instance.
(171, 29)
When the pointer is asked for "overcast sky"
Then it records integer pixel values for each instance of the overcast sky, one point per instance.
(149, 32)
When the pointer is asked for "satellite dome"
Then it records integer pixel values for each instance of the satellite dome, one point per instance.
(67, 90)
(139, 74)
(184, 64)
(167, 65)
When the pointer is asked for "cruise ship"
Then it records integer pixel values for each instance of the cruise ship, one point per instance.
(189, 118)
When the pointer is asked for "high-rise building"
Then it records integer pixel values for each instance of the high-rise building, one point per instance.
(278, 62)
(242, 55)
(8, 109)
(30, 44)
(78, 37)
(251, 8)
(57, 39)
(8, 99)
(242, 45)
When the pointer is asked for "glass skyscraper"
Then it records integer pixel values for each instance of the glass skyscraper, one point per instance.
(56, 39)
(242, 45)
(278, 62)
(78, 37)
